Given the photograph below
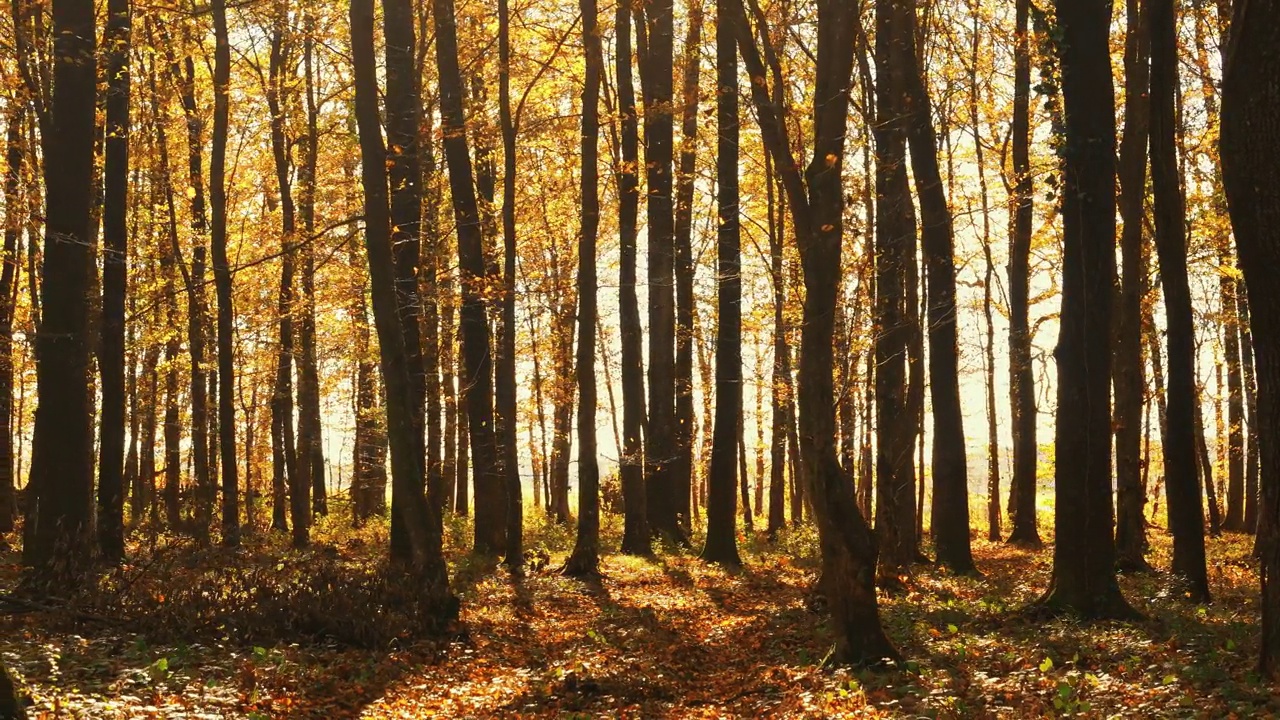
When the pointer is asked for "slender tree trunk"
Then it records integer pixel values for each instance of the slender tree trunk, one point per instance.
(584, 561)
(477, 376)
(1253, 456)
(1084, 579)
(950, 521)
(636, 534)
(1022, 391)
(505, 394)
(722, 546)
(780, 388)
(1131, 538)
(111, 360)
(14, 158)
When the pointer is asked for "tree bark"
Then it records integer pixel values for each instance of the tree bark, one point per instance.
(1250, 144)
(62, 444)
(584, 561)
(15, 154)
(722, 546)
(1084, 580)
(477, 375)
(1022, 391)
(1128, 379)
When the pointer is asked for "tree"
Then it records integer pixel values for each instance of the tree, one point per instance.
(635, 537)
(585, 559)
(895, 254)
(421, 520)
(111, 487)
(1186, 516)
(722, 546)
(1022, 391)
(1131, 540)
(1250, 147)
(505, 391)
(14, 154)
(1084, 580)
(62, 446)
(816, 200)
(937, 240)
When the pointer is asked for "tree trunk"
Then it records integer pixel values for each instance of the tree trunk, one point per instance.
(1253, 455)
(1250, 143)
(1186, 518)
(1022, 391)
(722, 546)
(421, 521)
(950, 520)
(477, 375)
(14, 157)
(636, 534)
(780, 388)
(115, 235)
(1131, 537)
(816, 198)
(895, 243)
(505, 394)
(1084, 580)
(62, 444)
(584, 561)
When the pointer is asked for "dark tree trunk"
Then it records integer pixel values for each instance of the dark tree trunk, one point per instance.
(681, 476)
(1127, 375)
(369, 481)
(562, 406)
(1203, 463)
(722, 546)
(895, 253)
(1252, 456)
(1250, 145)
(1084, 579)
(62, 444)
(1022, 390)
(657, 60)
(505, 391)
(403, 113)
(462, 497)
(421, 520)
(477, 375)
(310, 443)
(816, 198)
(222, 280)
(285, 473)
(636, 536)
(781, 386)
(14, 158)
(115, 235)
(1186, 517)
(454, 463)
(585, 558)
(950, 520)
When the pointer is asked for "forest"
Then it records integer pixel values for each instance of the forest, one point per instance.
(661, 358)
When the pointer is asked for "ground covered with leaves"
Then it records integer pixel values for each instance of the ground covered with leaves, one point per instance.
(268, 632)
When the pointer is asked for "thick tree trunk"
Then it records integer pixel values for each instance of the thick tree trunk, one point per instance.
(1250, 145)
(62, 445)
(1084, 580)
(584, 561)
(1127, 375)
(722, 546)
(1022, 391)
(477, 375)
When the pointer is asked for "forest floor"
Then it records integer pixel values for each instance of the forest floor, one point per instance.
(268, 632)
